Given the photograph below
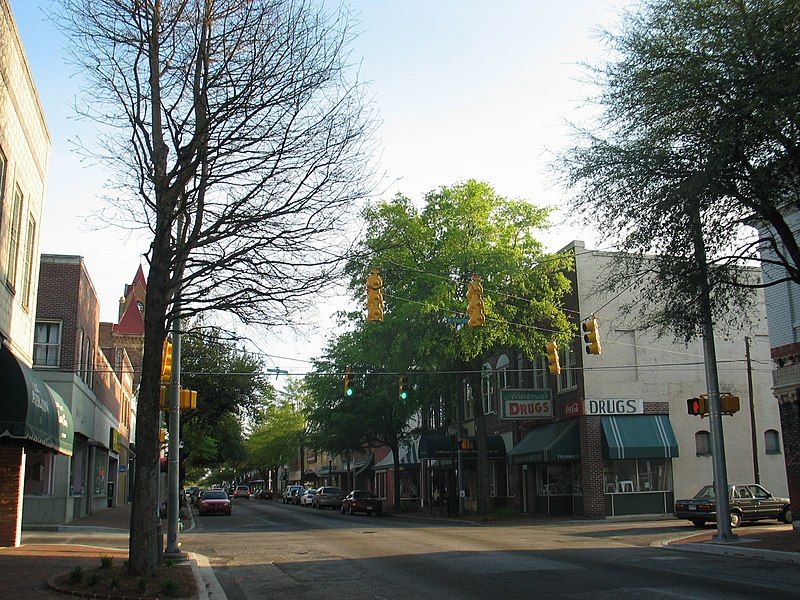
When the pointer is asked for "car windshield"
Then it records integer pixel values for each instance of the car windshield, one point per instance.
(331, 490)
(215, 495)
(706, 492)
(243, 488)
(362, 495)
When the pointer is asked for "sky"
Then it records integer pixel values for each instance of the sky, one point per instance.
(463, 89)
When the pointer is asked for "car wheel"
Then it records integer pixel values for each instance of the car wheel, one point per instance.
(351, 511)
(698, 522)
(736, 519)
(786, 515)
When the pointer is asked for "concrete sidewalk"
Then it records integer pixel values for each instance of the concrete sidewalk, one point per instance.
(775, 543)
(112, 520)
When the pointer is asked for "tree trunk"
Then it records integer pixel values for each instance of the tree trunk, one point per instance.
(482, 493)
(396, 478)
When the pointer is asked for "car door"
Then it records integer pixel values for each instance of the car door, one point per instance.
(768, 506)
(744, 501)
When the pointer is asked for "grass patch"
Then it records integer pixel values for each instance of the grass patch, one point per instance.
(105, 562)
(76, 575)
(169, 581)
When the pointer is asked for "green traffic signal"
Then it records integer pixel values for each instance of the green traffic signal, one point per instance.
(348, 391)
(402, 388)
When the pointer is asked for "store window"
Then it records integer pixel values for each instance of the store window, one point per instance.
(77, 465)
(702, 442)
(560, 479)
(569, 363)
(47, 344)
(772, 442)
(100, 473)
(637, 475)
(38, 474)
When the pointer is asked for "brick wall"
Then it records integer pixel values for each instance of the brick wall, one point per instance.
(12, 467)
(591, 435)
(59, 284)
(790, 427)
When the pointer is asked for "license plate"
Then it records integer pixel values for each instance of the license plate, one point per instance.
(691, 507)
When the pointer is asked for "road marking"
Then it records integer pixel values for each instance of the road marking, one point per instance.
(266, 521)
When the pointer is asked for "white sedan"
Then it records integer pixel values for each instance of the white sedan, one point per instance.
(307, 498)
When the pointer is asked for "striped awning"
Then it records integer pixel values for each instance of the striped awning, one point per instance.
(638, 436)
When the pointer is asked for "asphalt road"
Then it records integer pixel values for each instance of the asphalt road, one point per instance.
(271, 550)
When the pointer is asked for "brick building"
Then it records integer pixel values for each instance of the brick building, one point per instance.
(97, 387)
(34, 421)
(783, 317)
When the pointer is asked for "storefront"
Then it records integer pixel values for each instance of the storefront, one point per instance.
(409, 469)
(35, 428)
(637, 453)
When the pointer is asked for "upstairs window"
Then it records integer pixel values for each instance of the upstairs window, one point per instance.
(27, 267)
(13, 240)
(772, 442)
(47, 344)
(567, 380)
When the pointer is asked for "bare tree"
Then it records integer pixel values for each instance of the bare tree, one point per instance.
(241, 140)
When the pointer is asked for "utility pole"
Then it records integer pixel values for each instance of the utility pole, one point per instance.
(756, 473)
(173, 550)
(724, 532)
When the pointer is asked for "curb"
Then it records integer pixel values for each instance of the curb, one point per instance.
(75, 529)
(725, 550)
(208, 585)
(435, 519)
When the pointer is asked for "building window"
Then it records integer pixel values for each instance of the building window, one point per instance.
(27, 267)
(78, 465)
(46, 344)
(38, 474)
(13, 239)
(503, 376)
(486, 388)
(702, 442)
(540, 374)
(3, 170)
(468, 412)
(637, 475)
(772, 442)
(567, 380)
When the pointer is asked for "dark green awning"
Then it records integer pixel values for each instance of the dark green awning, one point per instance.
(443, 447)
(638, 436)
(552, 442)
(30, 410)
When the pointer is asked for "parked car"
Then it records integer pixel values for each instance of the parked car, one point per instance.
(288, 496)
(198, 496)
(242, 491)
(307, 498)
(328, 496)
(748, 502)
(262, 494)
(215, 502)
(361, 501)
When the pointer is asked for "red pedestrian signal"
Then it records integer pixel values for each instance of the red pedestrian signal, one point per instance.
(697, 407)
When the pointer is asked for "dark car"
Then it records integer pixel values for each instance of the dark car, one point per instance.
(327, 496)
(361, 501)
(215, 502)
(748, 502)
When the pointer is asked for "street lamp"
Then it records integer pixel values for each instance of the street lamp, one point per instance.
(454, 432)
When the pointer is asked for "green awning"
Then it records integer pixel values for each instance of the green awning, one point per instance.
(552, 442)
(443, 447)
(638, 436)
(30, 410)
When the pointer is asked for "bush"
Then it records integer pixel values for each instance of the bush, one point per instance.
(105, 562)
(114, 583)
(76, 575)
(170, 587)
(94, 579)
(169, 563)
(142, 584)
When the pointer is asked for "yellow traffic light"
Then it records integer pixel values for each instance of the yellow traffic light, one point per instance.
(402, 388)
(553, 362)
(477, 318)
(374, 296)
(162, 435)
(166, 362)
(591, 330)
(188, 399)
(348, 382)
(163, 398)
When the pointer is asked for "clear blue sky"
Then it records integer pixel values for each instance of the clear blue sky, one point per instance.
(464, 89)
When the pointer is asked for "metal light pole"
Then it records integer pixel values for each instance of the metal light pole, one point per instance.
(173, 550)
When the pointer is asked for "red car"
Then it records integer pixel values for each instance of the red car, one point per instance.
(361, 501)
(215, 502)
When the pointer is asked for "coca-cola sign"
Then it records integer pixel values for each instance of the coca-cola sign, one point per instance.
(526, 405)
(572, 409)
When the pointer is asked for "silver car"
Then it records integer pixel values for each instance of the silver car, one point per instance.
(330, 497)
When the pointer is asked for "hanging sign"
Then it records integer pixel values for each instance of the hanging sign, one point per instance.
(526, 405)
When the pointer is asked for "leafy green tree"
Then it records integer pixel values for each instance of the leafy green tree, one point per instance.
(426, 257)
(700, 115)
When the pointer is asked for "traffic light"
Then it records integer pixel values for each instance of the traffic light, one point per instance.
(348, 382)
(697, 406)
(553, 363)
(466, 444)
(162, 435)
(374, 296)
(166, 362)
(163, 398)
(728, 404)
(477, 318)
(188, 399)
(591, 330)
(403, 390)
